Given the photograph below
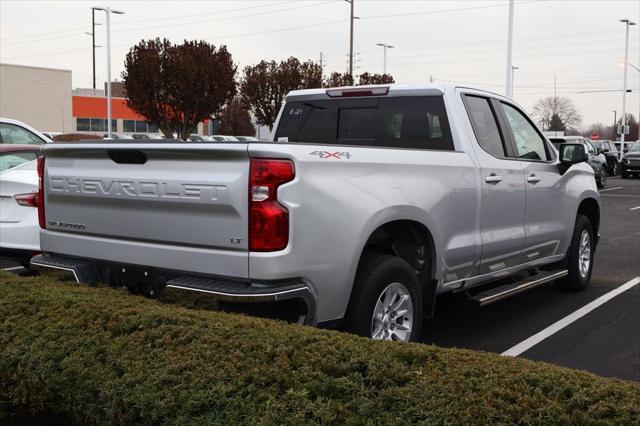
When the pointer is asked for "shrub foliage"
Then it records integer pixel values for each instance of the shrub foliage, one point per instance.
(97, 355)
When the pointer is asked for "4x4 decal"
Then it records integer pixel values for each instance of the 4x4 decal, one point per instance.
(337, 155)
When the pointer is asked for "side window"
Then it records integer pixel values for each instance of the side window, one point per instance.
(590, 147)
(414, 122)
(13, 159)
(10, 133)
(484, 125)
(529, 144)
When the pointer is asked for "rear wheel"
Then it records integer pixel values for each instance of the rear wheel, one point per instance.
(386, 303)
(580, 257)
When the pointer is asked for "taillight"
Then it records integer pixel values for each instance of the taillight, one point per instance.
(40, 197)
(268, 219)
(27, 200)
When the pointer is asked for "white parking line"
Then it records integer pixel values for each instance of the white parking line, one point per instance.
(635, 208)
(527, 344)
(13, 268)
(610, 189)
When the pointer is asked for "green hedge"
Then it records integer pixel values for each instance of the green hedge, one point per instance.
(79, 355)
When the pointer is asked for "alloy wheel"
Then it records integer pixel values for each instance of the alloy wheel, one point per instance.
(393, 314)
(584, 253)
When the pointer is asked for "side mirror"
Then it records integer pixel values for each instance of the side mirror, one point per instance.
(599, 151)
(572, 153)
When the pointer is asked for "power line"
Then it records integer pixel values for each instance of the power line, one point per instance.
(436, 12)
(181, 23)
(218, 12)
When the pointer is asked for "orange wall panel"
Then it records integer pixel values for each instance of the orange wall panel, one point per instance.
(96, 107)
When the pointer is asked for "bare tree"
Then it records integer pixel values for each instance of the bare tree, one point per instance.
(545, 109)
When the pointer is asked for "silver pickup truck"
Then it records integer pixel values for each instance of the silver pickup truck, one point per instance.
(369, 203)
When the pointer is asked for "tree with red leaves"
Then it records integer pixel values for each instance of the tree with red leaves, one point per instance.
(265, 85)
(235, 120)
(178, 86)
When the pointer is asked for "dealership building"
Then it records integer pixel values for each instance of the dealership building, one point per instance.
(44, 99)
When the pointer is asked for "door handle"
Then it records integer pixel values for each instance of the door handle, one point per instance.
(533, 179)
(493, 178)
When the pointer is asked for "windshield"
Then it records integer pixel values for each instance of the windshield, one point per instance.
(635, 147)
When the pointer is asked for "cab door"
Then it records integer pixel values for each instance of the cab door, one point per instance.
(503, 189)
(548, 209)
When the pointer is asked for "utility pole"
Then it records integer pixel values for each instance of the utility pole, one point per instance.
(321, 65)
(351, 37)
(615, 124)
(509, 87)
(93, 43)
(627, 23)
(385, 46)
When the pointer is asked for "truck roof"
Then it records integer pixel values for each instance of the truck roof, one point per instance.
(393, 90)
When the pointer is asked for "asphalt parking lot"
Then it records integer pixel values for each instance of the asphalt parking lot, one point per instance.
(577, 330)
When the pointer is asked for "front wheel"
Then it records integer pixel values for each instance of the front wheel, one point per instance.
(580, 257)
(386, 303)
(614, 169)
(601, 181)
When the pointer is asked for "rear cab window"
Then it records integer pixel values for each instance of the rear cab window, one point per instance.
(416, 122)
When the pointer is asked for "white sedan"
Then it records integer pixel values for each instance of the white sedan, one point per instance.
(19, 228)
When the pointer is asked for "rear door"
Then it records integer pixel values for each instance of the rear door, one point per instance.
(503, 192)
(548, 209)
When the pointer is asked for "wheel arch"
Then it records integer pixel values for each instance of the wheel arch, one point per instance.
(591, 208)
(411, 239)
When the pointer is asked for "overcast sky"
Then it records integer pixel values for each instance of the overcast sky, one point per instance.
(580, 41)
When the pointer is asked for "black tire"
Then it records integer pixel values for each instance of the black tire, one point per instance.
(577, 280)
(613, 169)
(601, 181)
(375, 274)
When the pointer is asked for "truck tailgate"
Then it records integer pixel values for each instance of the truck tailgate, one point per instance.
(182, 196)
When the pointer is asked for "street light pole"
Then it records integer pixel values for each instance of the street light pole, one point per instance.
(93, 43)
(108, 12)
(385, 46)
(513, 77)
(351, 18)
(509, 87)
(627, 24)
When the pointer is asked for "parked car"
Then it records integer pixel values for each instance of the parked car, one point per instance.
(17, 132)
(610, 152)
(147, 136)
(597, 160)
(115, 135)
(224, 138)
(13, 155)
(631, 162)
(51, 135)
(19, 229)
(627, 145)
(74, 137)
(369, 204)
(246, 139)
(199, 138)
